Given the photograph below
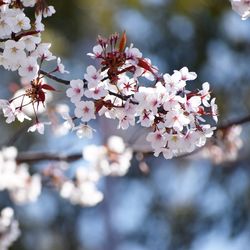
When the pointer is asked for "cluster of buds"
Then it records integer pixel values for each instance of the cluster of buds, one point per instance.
(117, 89)
(242, 7)
(21, 50)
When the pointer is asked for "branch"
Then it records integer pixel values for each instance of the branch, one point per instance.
(30, 157)
(67, 82)
(57, 79)
(235, 122)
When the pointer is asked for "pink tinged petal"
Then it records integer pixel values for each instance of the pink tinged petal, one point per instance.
(186, 75)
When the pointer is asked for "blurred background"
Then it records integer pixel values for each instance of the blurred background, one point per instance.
(187, 203)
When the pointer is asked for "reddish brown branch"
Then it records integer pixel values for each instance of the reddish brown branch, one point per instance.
(67, 82)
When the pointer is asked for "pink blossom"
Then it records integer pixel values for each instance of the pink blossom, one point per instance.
(85, 110)
(76, 90)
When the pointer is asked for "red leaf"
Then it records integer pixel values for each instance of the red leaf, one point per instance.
(145, 65)
(123, 42)
(41, 96)
(48, 87)
(98, 105)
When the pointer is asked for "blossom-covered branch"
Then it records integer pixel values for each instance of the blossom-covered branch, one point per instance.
(30, 157)
(115, 89)
(121, 85)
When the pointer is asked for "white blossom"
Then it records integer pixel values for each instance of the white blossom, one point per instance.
(85, 110)
(9, 228)
(76, 90)
(242, 7)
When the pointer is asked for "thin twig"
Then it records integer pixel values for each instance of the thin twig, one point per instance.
(57, 79)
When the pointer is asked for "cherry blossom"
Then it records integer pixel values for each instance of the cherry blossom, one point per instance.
(76, 90)
(15, 178)
(85, 110)
(9, 228)
(227, 146)
(172, 111)
(113, 88)
(21, 23)
(97, 92)
(157, 139)
(39, 127)
(31, 42)
(111, 159)
(93, 77)
(97, 51)
(186, 75)
(60, 67)
(178, 120)
(14, 51)
(205, 94)
(29, 3)
(29, 69)
(84, 130)
(242, 7)
(214, 110)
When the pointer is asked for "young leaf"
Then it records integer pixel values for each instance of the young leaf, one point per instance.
(123, 42)
(48, 87)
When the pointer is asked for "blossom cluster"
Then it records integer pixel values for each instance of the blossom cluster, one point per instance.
(242, 7)
(21, 50)
(9, 228)
(124, 86)
(127, 87)
(112, 159)
(15, 178)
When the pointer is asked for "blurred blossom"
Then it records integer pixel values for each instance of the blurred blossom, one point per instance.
(242, 7)
(226, 147)
(112, 159)
(84, 191)
(15, 178)
(9, 228)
